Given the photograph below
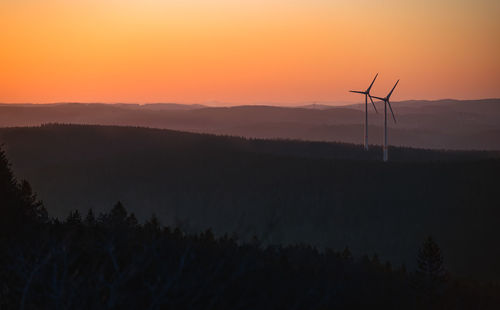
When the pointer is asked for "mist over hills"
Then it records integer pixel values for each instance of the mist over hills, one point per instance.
(441, 124)
(283, 192)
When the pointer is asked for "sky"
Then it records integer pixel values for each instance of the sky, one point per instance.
(246, 51)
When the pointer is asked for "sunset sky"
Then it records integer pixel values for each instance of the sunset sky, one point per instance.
(246, 51)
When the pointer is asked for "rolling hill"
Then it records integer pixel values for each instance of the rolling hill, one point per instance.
(443, 124)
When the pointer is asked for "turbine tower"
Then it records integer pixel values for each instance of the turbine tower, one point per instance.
(367, 94)
(387, 103)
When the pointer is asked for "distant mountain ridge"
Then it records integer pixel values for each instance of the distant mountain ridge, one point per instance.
(149, 106)
(442, 124)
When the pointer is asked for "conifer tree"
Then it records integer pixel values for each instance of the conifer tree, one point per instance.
(430, 277)
(18, 204)
(153, 224)
(90, 218)
(132, 221)
(74, 218)
(118, 212)
(117, 216)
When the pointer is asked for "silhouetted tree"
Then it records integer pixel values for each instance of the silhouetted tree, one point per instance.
(90, 218)
(153, 224)
(430, 276)
(208, 236)
(118, 214)
(18, 204)
(74, 218)
(32, 207)
(132, 221)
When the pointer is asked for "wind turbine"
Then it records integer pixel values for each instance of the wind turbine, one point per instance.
(387, 103)
(367, 94)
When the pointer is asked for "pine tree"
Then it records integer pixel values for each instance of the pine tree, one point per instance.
(132, 221)
(74, 218)
(118, 213)
(32, 207)
(117, 216)
(90, 218)
(153, 224)
(430, 277)
(8, 184)
(18, 205)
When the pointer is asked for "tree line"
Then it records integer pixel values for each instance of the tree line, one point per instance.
(111, 261)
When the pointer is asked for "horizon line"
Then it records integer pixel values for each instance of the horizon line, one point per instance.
(220, 104)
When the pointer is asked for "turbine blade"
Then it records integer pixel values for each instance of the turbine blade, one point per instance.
(368, 90)
(357, 92)
(388, 103)
(388, 96)
(382, 99)
(373, 103)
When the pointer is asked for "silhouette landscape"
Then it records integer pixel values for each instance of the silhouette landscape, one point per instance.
(249, 155)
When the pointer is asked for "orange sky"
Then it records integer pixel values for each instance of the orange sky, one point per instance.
(241, 52)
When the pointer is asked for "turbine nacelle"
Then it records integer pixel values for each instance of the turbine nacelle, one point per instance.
(387, 98)
(367, 92)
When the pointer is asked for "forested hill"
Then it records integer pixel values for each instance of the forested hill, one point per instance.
(323, 195)
(90, 138)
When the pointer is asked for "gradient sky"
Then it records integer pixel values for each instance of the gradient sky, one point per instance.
(246, 51)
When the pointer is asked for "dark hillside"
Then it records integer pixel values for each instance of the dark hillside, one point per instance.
(255, 187)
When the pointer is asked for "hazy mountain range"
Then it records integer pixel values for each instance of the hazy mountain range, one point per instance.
(442, 124)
